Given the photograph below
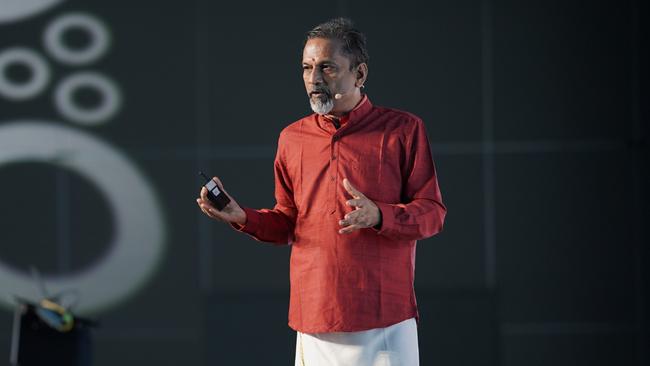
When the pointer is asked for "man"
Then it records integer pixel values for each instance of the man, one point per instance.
(355, 187)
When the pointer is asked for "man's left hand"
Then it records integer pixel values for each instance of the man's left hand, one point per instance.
(366, 214)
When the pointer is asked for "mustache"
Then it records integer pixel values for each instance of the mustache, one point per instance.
(322, 89)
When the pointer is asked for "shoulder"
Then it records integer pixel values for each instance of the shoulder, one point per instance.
(294, 131)
(398, 120)
(295, 128)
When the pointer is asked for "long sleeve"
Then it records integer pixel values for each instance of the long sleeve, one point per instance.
(364, 280)
(422, 213)
(274, 225)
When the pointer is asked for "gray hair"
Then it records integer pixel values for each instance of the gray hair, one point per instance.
(352, 40)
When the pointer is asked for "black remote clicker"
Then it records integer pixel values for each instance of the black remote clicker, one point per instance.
(218, 198)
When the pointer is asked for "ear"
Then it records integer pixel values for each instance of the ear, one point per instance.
(362, 74)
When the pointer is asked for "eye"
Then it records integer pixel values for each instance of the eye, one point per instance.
(329, 68)
(306, 67)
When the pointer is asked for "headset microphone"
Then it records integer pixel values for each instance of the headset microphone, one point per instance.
(338, 96)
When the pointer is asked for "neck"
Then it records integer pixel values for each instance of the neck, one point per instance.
(344, 105)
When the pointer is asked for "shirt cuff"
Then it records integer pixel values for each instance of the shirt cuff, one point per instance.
(387, 217)
(252, 221)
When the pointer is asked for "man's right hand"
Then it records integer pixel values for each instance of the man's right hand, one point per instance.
(232, 213)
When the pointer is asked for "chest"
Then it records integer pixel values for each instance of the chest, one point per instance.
(371, 159)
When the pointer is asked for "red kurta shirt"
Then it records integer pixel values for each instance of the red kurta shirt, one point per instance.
(364, 279)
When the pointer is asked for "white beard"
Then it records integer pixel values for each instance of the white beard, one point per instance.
(320, 107)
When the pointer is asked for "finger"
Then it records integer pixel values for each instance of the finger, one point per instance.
(357, 202)
(204, 193)
(351, 190)
(220, 185)
(205, 201)
(218, 181)
(349, 229)
(200, 202)
(211, 212)
(208, 209)
(206, 206)
(350, 219)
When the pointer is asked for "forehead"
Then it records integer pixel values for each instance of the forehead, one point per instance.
(319, 49)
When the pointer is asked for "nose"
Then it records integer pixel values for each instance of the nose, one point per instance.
(315, 76)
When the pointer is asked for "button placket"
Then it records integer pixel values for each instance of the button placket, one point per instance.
(330, 174)
(334, 173)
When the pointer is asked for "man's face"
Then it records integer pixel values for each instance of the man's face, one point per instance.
(326, 72)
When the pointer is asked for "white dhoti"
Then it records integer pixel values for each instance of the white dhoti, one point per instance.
(396, 345)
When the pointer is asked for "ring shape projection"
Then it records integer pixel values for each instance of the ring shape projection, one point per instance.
(110, 104)
(39, 78)
(55, 45)
(138, 239)
(15, 10)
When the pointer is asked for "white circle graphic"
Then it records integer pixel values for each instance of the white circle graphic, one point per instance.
(138, 239)
(53, 38)
(39, 78)
(110, 103)
(15, 10)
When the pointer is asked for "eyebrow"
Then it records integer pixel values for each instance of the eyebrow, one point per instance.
(330, 62)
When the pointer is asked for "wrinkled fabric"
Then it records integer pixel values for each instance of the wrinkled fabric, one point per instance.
(396, 345)
(361, 280)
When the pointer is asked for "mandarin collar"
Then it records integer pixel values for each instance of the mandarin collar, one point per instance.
(362, 108)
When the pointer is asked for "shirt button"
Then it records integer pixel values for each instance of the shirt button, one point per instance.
(332, 179)
(333, 157)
